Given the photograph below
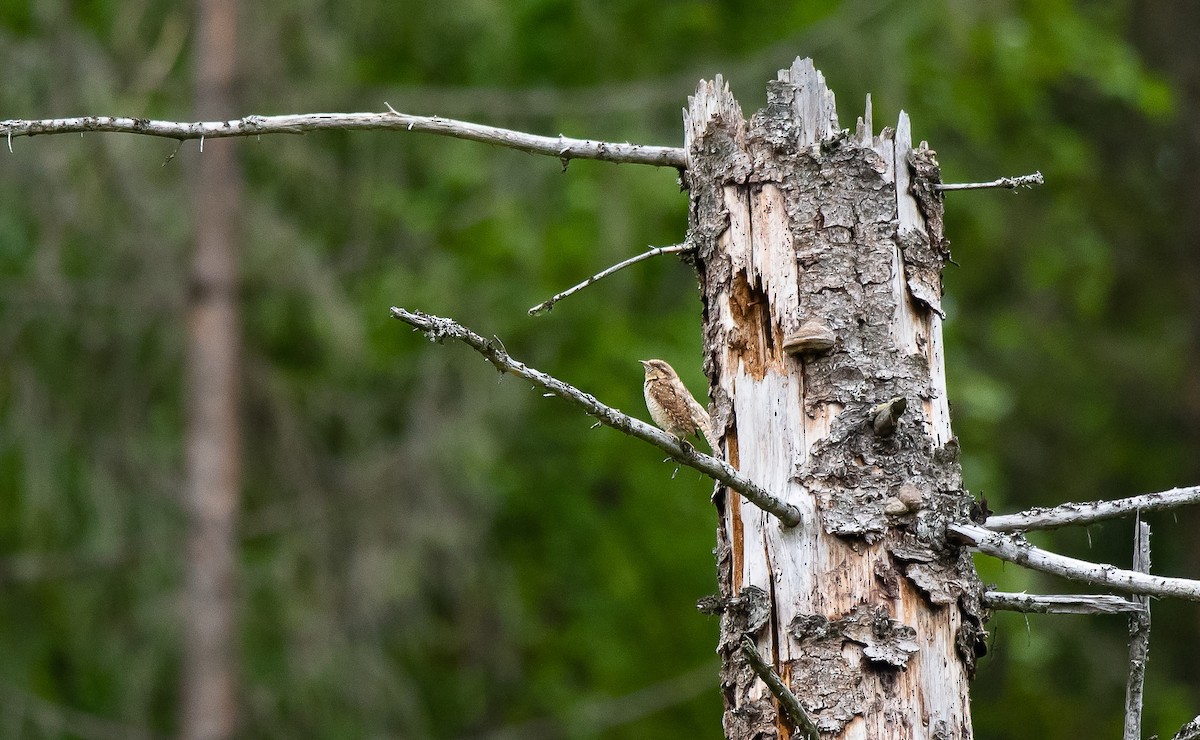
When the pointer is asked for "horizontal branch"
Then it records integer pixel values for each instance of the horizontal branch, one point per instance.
(1008, 547)
(1010, 183)
(436, 329)
(555, 146)
(547, 305)
(1092, 511)
(1060, 604)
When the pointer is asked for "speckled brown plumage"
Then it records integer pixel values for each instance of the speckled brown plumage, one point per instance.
(671, 404)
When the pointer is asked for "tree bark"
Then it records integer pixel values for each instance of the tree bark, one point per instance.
(213, 437)
(869, 614)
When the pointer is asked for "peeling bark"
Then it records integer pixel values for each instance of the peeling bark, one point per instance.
(872, 617)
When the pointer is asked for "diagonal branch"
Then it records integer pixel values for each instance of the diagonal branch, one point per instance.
(792, 707)
(436, 329)
(654, 252)
(1008, 547)
(1190, 731)
(1093, 511)
(555, 146)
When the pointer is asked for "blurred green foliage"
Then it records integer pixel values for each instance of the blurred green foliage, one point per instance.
(432, 551)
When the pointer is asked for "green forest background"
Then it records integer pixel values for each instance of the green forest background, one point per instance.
(431, 551)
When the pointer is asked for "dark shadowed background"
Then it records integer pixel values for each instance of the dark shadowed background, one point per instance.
(430, 551)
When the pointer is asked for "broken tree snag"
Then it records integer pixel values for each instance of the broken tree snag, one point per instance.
(819, 255)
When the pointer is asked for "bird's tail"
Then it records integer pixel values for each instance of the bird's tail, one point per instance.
(705, 427)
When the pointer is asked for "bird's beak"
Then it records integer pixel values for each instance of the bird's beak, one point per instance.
(645, 364)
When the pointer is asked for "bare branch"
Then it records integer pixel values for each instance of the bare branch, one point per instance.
(559, 147)
(1008, 547)
(791, 705)
(654, 252)
(1010, 183)
(1190, 731)
(436, 329)
(1060, 604)
(1093, 511)
(1139, 638)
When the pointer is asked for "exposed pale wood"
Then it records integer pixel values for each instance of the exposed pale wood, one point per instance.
(917, 331)
(793, 221)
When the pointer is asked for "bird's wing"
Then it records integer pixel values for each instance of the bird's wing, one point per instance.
(703, 423)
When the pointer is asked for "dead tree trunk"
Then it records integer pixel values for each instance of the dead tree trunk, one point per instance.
(213, 439)
(820, 257)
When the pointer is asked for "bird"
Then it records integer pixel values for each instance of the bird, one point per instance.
(671, 404)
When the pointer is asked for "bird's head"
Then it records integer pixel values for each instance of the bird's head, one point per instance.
(658, 370)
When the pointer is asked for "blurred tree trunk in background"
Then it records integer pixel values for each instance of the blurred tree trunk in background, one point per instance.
(213, 368)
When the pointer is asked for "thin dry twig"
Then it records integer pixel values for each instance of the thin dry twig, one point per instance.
(1009, 183)
(654, 252)
(436, 329)
(559, 147)
(1092, 511)
(791, 705)
(1008, 547)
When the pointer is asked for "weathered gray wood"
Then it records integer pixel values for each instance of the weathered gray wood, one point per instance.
(872, 619)
(1139, 638)
(1190, 731)
(1014, 550)
(1060, 603)
(561, 147)
(1089, 512)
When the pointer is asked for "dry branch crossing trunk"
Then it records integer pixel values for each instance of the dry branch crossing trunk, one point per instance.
(820, 256)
